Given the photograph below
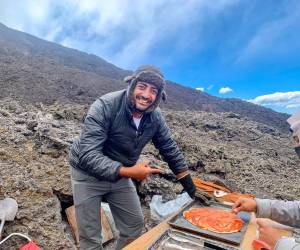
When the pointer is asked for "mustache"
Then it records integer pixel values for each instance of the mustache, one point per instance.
(142, 98)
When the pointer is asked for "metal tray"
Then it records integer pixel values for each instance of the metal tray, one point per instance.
(179, 222)
(173, 239)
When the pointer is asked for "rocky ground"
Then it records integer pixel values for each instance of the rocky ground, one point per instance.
(225, 148)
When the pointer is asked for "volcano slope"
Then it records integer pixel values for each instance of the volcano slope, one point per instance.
(225, 148)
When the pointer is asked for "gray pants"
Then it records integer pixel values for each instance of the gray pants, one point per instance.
(88, 192)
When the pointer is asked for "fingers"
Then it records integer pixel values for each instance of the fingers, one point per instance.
(146, 171)
(143, 171)
(244, 204)
(155, 171)
(261, 223)
(236, 210)
(262, 226)
(237, 206)
(264, 233)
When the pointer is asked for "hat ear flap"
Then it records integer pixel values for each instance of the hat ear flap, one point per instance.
(164, 96)
(128, 79)
(130, 89)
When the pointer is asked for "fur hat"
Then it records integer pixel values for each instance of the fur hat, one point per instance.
(148, 74)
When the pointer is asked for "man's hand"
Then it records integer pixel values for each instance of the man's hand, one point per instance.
(139, 171)
(186, 181)
(267, 233)
(204, 198)
(244, 204)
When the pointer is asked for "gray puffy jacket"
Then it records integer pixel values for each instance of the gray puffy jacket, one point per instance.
(285, 212)
(109, 139)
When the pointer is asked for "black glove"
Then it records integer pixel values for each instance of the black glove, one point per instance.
(204, 198)
(188, 185)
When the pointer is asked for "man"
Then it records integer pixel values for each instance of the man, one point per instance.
(104, 159)
(285, 212)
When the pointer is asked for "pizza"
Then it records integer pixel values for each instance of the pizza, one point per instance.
(214, 219)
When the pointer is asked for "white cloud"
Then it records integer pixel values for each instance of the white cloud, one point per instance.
(210, 87)
(30, 16)
(200, 88)
(279, 99)
(295, 105)
(225, 90)
(124, 32)
(274, 31)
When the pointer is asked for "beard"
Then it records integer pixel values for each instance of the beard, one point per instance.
(139, 107)
(136, 109)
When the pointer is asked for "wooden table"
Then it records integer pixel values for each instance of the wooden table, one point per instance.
(147, 239)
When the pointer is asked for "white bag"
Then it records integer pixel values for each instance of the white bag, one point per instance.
(160, 211)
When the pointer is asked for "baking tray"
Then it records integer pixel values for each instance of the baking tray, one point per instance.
(173, 239)
(179, 222)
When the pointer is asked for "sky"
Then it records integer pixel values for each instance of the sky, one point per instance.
(227, 48)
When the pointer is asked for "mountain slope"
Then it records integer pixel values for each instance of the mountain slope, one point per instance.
(34, 70)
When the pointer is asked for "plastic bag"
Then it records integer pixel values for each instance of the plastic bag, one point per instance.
(160, 211)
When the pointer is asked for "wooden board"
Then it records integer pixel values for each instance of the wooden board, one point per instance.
(107, 234)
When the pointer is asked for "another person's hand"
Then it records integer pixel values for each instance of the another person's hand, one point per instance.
(244, 204)
(139, 171)
(268, 234)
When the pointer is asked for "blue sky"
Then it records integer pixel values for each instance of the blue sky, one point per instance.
(227, 48)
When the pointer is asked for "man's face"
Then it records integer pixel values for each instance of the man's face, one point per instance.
(144, 95)
(294, 122)
(296, 140)
(297, 143)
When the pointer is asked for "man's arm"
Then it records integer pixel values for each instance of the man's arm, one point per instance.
(168, 148)
(92, 139)
(285, 212)
(170, 153)
(139, 171)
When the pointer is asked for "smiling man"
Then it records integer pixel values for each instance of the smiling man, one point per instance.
(144, 95)
(104, 159)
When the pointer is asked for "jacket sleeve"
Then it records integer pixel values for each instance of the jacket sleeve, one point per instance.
(92, 139)
(74, 153)
(168, 148)
(287, 243)
(284, 212)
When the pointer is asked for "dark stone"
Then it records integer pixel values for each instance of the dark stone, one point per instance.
(31, 125)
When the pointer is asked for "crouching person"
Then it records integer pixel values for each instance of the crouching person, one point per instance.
(104, 158)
